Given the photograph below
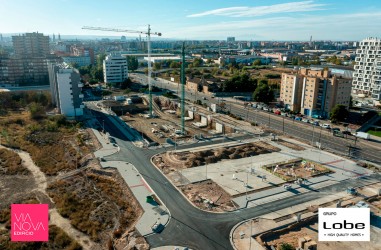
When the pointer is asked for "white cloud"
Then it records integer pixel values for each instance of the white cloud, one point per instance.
(322, 27)
(303, 6)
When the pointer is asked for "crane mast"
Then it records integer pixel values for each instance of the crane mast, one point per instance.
(148, 33)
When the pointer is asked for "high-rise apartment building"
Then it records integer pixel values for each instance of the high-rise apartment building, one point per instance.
(28, 65)
(66, 89)
(31, 44)
(314, 92)
(115, 69)
(367, 74)
(230, 39)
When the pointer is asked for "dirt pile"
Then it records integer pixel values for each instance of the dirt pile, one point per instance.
(194, 159)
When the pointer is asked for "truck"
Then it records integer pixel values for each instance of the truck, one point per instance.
(362, 135)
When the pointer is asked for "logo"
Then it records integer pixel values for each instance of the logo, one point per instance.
(344, 224)
(29, 222)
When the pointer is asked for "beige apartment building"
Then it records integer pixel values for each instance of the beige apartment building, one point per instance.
(314, 92)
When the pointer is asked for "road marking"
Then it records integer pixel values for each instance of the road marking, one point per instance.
(139, 185)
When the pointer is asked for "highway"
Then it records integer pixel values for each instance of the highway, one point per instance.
(190, 226)
(360, 150)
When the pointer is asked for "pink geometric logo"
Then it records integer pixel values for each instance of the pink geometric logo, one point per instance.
(29, 222)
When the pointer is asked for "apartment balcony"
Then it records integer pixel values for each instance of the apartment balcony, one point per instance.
(82, 106)
(80, 85)
(80, 96)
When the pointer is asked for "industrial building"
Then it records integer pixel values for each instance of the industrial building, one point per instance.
(115, 69)
(367, 75)
(66, 89)
(314, 92)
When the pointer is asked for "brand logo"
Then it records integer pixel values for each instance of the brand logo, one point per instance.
(29, 222)
(344, 224)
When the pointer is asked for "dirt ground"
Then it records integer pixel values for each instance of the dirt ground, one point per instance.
(14, 189)
(311, 230)
(169, 161)
(292, 236)
(290, 145)
(298, 169)
(208, 195)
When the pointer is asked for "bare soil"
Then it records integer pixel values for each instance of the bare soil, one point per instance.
(297, 169)
(181, 160)
(208, 195)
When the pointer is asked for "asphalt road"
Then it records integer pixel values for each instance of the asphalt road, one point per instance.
(190, 226)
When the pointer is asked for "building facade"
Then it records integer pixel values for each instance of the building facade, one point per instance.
(31, 45)
(66, 89)
(367, 74)
(115, 69)
(79, 60)
(314, 92)
(29, 64)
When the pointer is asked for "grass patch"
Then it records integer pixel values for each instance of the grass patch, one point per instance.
(374, 132)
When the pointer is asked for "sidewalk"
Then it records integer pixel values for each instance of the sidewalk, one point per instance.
(153, 212)
(344, 169)
(240, 234)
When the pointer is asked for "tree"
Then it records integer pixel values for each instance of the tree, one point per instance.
(263, 93)
(156, 66)
(36, 110)
(125, 84)
(239, 83)
(286, 246)
(257, 62)
(339, 113)
(174, 65)
(132, 63)
(197, 62)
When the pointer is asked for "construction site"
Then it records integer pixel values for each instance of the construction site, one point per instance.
(164, 127)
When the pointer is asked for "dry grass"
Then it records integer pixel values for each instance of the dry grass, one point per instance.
(58, 239)
(54, 145)
(11, 163)
(96, 205)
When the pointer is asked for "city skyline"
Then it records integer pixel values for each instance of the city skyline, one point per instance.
(245, 20)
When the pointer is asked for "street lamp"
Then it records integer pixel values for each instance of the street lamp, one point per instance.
(103, 126)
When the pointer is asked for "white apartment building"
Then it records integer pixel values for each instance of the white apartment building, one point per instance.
(66, 89)
(115, 69)
(367, 74)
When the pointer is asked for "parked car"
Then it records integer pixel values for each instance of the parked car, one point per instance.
(327, 126)
(277, 112)
(335, 129)
(346, 132)
(265, 109)
(306, 120)
(315, 123)
(298, 118)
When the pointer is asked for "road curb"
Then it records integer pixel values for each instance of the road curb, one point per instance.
(191, 203)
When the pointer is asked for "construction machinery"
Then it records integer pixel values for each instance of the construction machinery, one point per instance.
(148, 33)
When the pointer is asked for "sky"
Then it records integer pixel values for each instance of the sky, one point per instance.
(285, 20)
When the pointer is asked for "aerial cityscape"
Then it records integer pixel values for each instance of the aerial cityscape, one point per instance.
(168, 125)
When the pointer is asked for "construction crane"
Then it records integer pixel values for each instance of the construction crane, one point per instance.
(148, 33)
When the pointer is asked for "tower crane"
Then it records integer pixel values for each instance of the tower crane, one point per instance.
(148, 33)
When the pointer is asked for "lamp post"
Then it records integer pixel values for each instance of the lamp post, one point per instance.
(103, 126)
(251, 231)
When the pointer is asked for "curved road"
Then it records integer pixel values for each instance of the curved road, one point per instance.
(190, 226)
